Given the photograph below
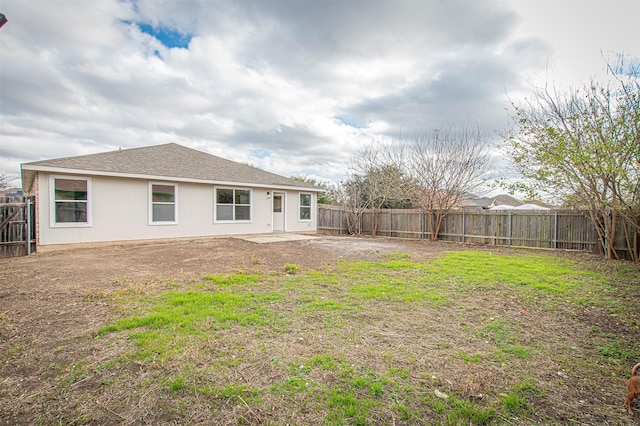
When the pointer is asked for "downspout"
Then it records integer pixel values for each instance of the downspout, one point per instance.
(28, 214)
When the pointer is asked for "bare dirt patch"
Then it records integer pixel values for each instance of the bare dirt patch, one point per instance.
(53, 302)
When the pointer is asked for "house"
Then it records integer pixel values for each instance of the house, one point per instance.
(163, 191)
(520, 207)
(506, 200)
(482, 203)
(498, 202)
(12, 192)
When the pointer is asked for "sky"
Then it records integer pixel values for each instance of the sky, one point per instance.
(293, 87)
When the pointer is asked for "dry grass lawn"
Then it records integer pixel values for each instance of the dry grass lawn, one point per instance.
(329, 331)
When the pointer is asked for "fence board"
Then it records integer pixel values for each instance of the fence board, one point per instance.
(553, 229)
(17, 236)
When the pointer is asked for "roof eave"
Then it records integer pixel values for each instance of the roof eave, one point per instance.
(28, 171)
(27, 179)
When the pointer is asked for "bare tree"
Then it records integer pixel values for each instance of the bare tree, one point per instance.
(434, 172)
(5, 181)
(447, 167)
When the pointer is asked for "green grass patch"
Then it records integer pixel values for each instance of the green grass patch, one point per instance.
(462, 411)
(516, 402)
(545, 273)
(177, 316)
(291, 268)
(177, 384)
(326, 305)
(469, 358)
(347, 408)
(616, 351)
(504, 335)
(238, 279)
(193, 310)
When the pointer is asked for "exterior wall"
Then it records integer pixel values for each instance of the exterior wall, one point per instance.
(292, 220)
(120, 211)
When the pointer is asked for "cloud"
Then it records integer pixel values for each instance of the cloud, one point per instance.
(305, 82)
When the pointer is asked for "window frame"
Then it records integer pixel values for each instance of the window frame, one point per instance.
(174, 203)
(301, 207)
(52, 202)
(233, 205)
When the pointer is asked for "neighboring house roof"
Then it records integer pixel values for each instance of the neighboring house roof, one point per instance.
(502, 207)
(505, 199)
(164, 162)
(531, 207)
(462, 203)
(521, 207)
(464, 200)
(484, 202)
(492, 202)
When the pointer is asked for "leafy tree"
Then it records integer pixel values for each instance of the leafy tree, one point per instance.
(377, 180)
(324, 197)
(582, 147)
(352, 194)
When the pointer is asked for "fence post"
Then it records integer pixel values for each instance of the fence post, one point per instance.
(463, 217)
(510, 225)
(555, 230)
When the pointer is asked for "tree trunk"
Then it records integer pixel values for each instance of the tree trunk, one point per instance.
(434, 225)
(374, 221)
(611, 236)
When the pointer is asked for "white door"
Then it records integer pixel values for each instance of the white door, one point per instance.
(278, 212)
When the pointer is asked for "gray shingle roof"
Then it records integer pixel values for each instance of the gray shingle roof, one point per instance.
(170, 161)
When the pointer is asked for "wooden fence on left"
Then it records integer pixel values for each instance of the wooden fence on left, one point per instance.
(17, 226)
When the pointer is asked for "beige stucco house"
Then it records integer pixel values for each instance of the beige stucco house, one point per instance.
(163, 191)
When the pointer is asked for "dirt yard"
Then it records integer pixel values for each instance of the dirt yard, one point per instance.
(48, 300)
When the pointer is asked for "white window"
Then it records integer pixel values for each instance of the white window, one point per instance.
(305, 206)
(71, 201)
(233, 205)
(163, 204)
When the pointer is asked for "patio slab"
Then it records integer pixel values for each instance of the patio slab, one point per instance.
(276, 238)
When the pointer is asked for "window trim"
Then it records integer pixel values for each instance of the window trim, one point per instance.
(300, 207)
(52, 203)
(175, 204)
(215, 205)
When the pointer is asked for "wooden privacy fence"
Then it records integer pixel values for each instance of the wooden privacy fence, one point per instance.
(554, 229)
(17, 226)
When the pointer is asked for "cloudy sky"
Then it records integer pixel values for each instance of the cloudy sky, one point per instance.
(293, 87)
